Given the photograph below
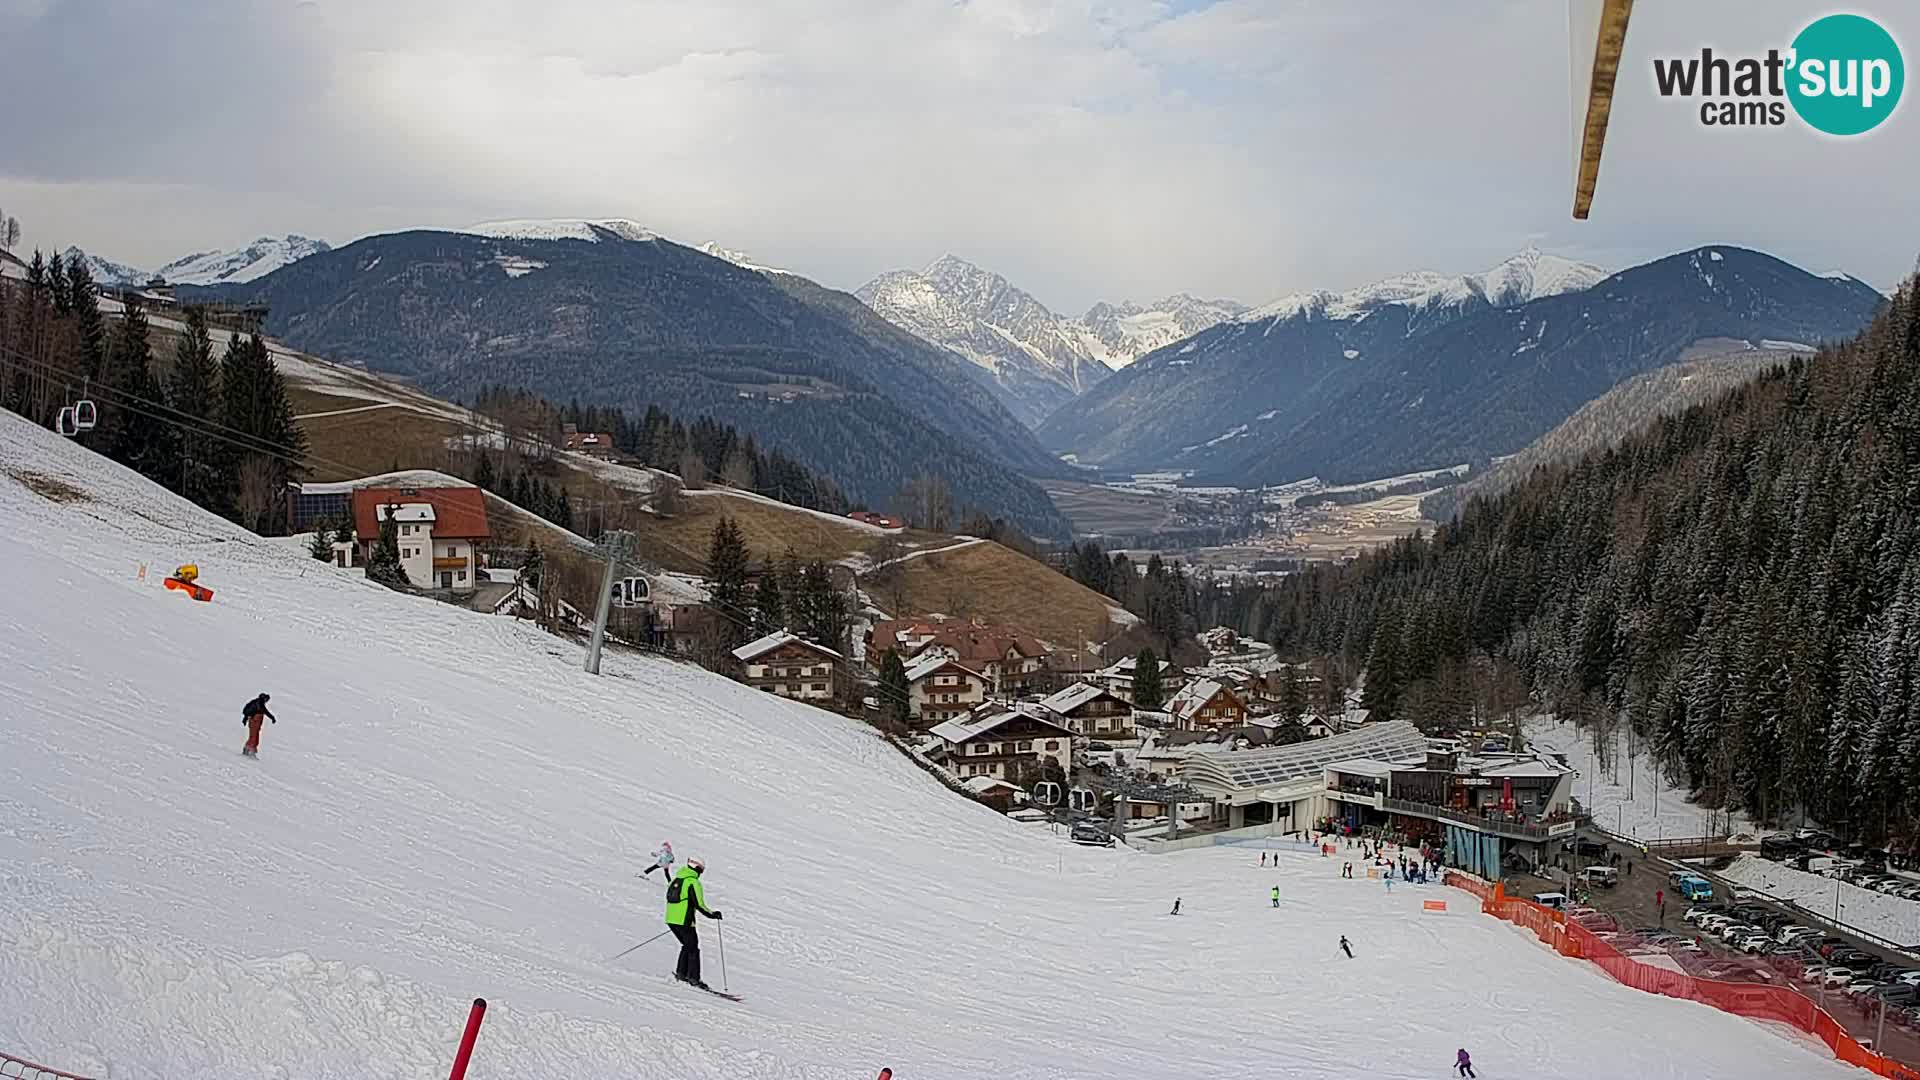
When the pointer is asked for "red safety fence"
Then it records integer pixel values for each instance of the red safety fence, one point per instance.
(1759, 1002)
(13, 1068)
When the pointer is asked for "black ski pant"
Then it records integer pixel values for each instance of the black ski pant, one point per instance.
(688, 969)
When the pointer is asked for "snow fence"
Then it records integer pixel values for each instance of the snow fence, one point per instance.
(13, 1068)
(1775, 1003)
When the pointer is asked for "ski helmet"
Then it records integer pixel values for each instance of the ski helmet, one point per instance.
(696, 865)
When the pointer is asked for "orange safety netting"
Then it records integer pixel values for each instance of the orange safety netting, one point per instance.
(1760, 1002)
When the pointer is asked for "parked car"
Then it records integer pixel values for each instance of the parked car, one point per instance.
(1835, 978)
(1700, 911)
(1911, 978)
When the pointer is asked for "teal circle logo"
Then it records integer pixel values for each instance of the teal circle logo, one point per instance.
(1846, 76)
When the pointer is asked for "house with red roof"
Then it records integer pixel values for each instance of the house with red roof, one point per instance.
(437, 530)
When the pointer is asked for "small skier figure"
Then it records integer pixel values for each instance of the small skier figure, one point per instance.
(1176, 906)
(1263, 858)
(1276, 896)
(1463, 1063)
(662, 860)
(1388, 878)
(250, 717)
(1346, 946)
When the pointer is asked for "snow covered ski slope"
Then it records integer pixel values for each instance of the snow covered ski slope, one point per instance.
(448, 808)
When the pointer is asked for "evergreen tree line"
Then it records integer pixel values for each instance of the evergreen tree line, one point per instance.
(789, 595)
(523, 488)
(703, 451)
(1163, 594)
(218, 431)
(1735, 588)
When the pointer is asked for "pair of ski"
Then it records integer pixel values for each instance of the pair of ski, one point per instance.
(711, 990)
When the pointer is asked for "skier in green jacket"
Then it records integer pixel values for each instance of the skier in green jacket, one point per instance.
(686, 897)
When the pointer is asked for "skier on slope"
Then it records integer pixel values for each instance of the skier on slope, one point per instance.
(250, 718)
(686, 899)
(662, 860)
(1276, 896)
(1463, 1063)
(1176, 906)
(1346, 946)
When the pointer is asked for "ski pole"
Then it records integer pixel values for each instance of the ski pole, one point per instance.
(721, 930)
(649, 941)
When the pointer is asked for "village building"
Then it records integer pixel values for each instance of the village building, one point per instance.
(1207, 703)
(597, 444)
(1014, 663)
(1092, 712)
(939, 689)
(785, 664)
(1005, 744)
(883, 521)
(1117, 677)
(436, 530)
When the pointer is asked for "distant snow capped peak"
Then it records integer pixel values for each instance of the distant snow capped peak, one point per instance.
(1528, 275)
(738, 258)
(1035, 358)
(255, 260)
(1119, 334)
(105, 272)
(588, 229)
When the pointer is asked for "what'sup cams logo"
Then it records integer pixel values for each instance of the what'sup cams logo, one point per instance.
(1842, 76)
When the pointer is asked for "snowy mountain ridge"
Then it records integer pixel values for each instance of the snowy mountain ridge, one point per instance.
(258, 259)
(588, 229)
(1527, 275)
(233, 265)
(1119, 334)
(1031, 358)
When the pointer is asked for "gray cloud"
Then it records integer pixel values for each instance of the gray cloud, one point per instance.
(1087, 148)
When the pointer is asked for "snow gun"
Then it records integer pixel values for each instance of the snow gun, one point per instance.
(186, 579)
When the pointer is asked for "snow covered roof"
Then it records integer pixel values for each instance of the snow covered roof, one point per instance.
(1073, 697)
(980, 785)
(965, 728)
(760, 647)
(1193, 697)
(1534, 768)
(404, 512)
(931, 664)
(1251, 769)
(1363, 767)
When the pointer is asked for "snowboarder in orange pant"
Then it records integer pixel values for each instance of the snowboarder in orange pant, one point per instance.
(251, 716)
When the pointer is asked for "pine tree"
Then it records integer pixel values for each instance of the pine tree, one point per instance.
(1148, 692)
(727, 559)
(139, 435)
(383, 562)
(254, 406)
(823, 610)
(321, 546)
(769, 603)
(207, 477)
(895, 692)
(483, 472)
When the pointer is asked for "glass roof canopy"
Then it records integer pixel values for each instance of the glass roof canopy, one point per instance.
(1242, 770)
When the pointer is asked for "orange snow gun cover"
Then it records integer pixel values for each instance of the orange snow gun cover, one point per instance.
(184, 581)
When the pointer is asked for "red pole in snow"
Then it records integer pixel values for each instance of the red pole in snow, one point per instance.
(466, 1041)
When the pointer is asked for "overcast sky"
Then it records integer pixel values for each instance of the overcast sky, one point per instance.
(1088, 149)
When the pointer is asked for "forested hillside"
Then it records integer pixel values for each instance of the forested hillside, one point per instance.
(633, 323)
(1740, 583)
(1607, 419)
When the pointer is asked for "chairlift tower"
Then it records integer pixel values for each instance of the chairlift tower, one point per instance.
(613, 547)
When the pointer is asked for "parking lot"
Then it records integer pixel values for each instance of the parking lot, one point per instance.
(1635, 915)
